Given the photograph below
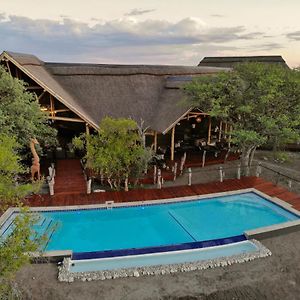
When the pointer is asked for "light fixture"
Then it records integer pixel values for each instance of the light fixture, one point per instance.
(198, 119)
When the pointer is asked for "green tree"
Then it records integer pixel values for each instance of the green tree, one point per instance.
(14, 248)
(116, 151)
(260, 101)
(20, 113)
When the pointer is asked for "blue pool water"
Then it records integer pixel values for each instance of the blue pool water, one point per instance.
(158, 225)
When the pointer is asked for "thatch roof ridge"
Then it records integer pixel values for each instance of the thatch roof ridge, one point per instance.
(104, 69)
(230, 61)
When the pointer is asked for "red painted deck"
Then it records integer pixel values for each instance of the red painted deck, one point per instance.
(81, 198)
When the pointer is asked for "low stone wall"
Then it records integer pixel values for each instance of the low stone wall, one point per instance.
(66, 276)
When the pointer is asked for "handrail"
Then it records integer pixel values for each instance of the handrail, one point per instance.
(279, 173)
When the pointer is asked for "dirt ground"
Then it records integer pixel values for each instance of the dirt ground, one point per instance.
(275, 277)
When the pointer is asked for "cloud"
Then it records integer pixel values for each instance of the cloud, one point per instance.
(267, 47)
(138, 12)
(294, 35)
(121, 40)
(217, 16)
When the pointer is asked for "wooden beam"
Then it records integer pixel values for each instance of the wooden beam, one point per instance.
(172, 143)
(61, 110)
(155, 141)
(8, 67)
(66, 119)
(41, 95)
(209, 130)
(34, 87)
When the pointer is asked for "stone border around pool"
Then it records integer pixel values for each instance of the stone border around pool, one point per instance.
(64, 274)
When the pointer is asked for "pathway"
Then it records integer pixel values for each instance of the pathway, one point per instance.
(69, 178)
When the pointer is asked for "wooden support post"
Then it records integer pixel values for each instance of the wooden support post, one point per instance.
(172, 143)
(52, 106)
(8, 67)
(220, 131)
(155, 141)
(87, 129)
(18, 73)
(209, 130)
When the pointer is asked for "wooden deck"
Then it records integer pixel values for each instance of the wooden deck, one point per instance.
(73, 197)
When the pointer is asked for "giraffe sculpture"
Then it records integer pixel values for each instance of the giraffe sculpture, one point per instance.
(35, 168)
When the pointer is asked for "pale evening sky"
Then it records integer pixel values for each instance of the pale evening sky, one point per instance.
(150, 32)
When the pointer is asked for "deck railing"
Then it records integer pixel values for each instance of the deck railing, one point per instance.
(289, 180)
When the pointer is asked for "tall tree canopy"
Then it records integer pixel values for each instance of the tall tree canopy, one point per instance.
(260, 101)
(116, 151)
(20, 120)
(20, 113)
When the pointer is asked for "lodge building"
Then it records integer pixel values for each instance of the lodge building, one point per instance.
(77, 96)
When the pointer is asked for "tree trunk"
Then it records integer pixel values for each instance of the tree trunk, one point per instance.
(247, 158)
(126, 184)
(252, 156)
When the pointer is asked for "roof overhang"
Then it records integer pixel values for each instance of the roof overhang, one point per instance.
(6, 56)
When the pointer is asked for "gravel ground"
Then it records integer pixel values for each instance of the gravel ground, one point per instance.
(275, 277)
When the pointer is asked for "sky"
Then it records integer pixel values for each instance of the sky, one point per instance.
(177, 32)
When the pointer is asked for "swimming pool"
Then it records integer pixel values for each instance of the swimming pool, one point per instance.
(158, 225)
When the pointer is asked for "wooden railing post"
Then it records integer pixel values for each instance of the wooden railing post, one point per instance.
(203, 158)
(238, 176)
(258, 170)
(189, 176)
(183, 158)
(221, 173)
(154, 173)
(159, 179)
(175, 171)
(89, 186)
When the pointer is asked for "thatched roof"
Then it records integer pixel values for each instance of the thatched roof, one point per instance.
(148, 92)
(231, 61)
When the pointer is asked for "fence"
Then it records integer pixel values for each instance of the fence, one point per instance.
(221, 173)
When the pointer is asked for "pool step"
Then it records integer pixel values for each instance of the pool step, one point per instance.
(8, 227)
